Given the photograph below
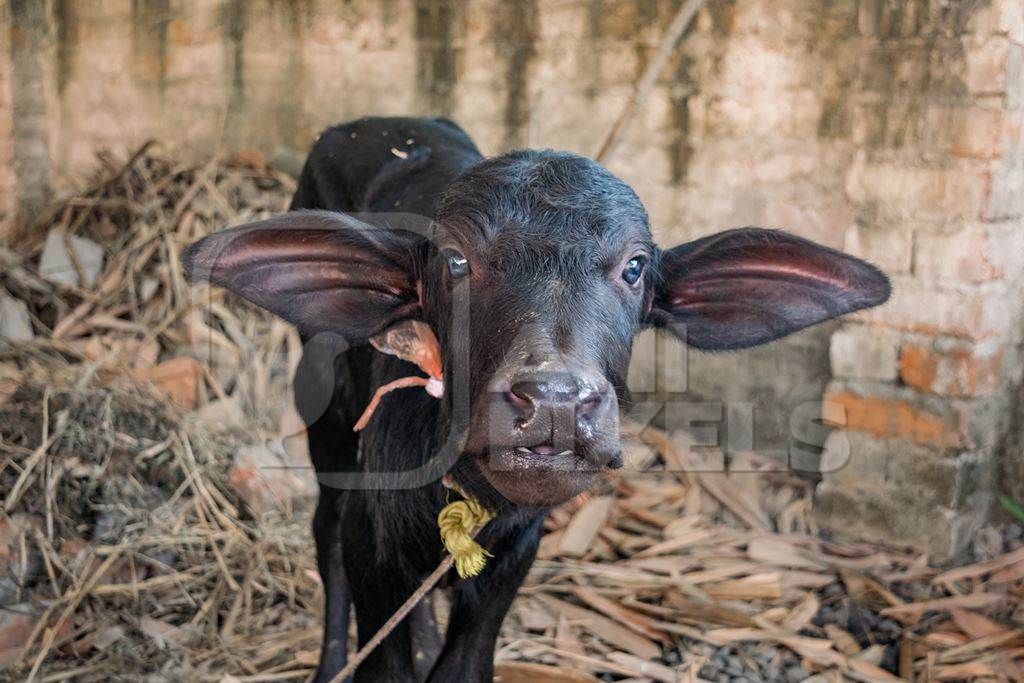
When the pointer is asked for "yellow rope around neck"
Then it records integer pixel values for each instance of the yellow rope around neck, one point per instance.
(458, 522)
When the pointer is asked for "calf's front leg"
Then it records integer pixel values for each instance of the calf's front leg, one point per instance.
(327, 534)
(377, 591)
(479, 604)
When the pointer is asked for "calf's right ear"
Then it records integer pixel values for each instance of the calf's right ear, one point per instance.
(319, 270)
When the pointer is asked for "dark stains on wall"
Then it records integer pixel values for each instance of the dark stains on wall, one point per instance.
(66, 29)
(679, 148)
(65, 23)
(30, 44)
(836, 37)
(648, 15)
(388, 11)
(694, 67)
(150, 20)
(233, 20)
(591, 61)
(888, 19)
(515, 35)
(912, 59)
(723, 15)
(292, 127)
(436, 58)
(309, 15)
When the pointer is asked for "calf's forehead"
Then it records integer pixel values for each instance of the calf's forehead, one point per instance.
(542, 201)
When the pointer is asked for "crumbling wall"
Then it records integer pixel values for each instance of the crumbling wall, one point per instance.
(890, 129)
(934, 108)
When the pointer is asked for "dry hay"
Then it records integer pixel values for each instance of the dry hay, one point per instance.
(141, 557)
(127, 553)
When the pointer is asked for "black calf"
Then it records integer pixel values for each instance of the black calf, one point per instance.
(535, 274)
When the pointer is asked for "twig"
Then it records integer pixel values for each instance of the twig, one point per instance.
(73, 602)
(395, 620)
(643, 89)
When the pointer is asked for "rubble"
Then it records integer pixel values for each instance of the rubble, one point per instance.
(15, 321)
(57, 264)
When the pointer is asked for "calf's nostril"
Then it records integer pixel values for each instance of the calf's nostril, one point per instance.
(519, 395)
(588, 403)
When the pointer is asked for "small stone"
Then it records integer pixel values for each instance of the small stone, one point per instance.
(179, 378)
(834, 590)
(16, 623)
(250, 157)
(15, 321)
(222, 414)
(795, 674)
(988, 544)
(148, 288)
(265, 476)
(106, 637)
(889, 626)
(289, 161)
(10, 380)
(124, 503)
(56, 266)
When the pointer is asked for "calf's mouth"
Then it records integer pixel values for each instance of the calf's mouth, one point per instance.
(543, 474)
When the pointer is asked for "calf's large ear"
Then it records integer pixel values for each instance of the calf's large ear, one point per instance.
(319, 270)
(748, 286)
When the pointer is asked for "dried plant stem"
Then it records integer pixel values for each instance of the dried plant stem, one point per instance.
(395, 619)
(643, 89)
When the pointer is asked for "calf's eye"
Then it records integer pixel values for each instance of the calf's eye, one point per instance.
(634, 269)
(458, 266)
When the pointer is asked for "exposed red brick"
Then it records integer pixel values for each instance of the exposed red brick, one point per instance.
(966, 131)
(180, 32)
(178, 378)
(918, 367)
(953, 373)
(894, 418)
(250, 157)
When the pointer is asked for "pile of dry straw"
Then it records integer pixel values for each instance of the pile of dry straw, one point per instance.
(134, 542)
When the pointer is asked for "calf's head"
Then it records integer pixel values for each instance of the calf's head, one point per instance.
(539, 270)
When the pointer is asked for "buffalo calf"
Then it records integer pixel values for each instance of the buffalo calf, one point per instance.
(535, 270)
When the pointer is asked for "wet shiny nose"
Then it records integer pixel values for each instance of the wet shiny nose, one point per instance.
(530, 393)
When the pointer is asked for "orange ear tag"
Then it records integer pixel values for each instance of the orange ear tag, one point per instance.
(411, 341)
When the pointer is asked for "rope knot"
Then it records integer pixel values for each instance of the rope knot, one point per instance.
(458, 522)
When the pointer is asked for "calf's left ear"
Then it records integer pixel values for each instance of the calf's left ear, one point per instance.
(748, 286)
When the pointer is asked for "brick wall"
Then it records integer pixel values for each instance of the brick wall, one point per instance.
(935, 114)
(890, 129)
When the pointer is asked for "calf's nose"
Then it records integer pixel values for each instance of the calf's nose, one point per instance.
(530, 392)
